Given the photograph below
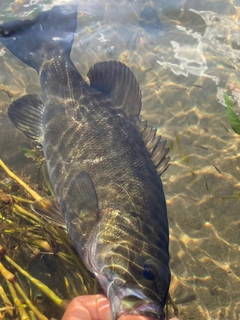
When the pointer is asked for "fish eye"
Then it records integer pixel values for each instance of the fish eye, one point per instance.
(150, 270)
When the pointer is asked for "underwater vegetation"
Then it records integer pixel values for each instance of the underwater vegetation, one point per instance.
(231, 114)
(28, 242)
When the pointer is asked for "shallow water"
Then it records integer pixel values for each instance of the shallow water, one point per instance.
(183, 65)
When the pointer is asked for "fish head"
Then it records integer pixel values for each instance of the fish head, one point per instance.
(135, 280)
(143, 296)
(134, 291)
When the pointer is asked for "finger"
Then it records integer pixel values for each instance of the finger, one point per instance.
(138, 317)
(134, 317)
(94, 307)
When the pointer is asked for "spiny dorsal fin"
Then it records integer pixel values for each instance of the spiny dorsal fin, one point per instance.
(26, 114)
(119, 84)
(155, 147)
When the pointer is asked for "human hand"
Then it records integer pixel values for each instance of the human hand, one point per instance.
(95, 307)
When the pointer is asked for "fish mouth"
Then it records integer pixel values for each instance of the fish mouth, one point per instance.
(134, 305)
(124, 302)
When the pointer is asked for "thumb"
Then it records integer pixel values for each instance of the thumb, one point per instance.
(95, 307)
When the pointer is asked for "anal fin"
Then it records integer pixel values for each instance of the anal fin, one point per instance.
(26, 114)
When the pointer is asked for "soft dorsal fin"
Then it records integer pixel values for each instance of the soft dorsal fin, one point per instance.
(26, 114)
(119, 84)
(155, 147)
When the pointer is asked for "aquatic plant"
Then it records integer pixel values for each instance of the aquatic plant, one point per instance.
(233, 119)
(26, 238)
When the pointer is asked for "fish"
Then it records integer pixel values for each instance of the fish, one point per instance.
(103, 161)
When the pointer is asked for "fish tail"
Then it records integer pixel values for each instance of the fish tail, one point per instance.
(30, 40)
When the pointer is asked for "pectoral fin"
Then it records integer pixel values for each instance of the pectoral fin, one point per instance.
(81, 195)
(49, 209)
(80, 207)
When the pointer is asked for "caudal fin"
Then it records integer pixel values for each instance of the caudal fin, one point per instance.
(29, 39)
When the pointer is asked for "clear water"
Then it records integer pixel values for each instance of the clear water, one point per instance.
(183, 66)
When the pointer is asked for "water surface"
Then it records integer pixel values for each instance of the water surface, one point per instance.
(185, 54)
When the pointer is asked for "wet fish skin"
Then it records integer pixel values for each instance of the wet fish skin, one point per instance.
(103, 175)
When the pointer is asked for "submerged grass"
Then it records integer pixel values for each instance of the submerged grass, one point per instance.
(40, 270)
(232, 116)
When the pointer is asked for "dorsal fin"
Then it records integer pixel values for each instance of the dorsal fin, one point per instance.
(119, 84)
(155, 147)
(116, 81)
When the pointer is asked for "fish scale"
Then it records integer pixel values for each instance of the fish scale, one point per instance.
(103, 162)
